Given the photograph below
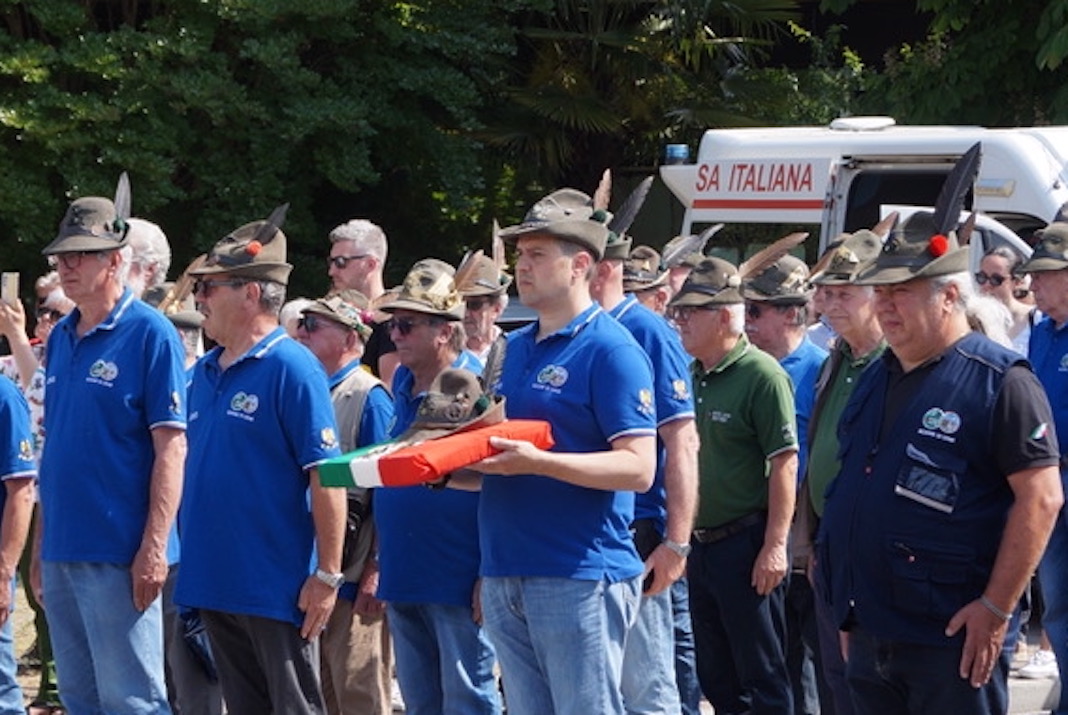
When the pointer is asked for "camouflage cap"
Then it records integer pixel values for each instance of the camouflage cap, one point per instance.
(1051, 251)
(642, 270)
(256, 250)
(483, 278)
(347, 307)
(915, 250)
(429, 288)
(90, 224)
(713, 281)
(568, 215)
(784, 282)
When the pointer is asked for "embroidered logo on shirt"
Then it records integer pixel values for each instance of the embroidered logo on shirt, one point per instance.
(25, 451)
(645, 401)
(788, 433)
(103, 372)
(1064, 363)
(553, 375)
(719, 416)
(176, 403)
(1040, 432)
(243, 405)
(328, 438)
(939, 423)
(681, 390)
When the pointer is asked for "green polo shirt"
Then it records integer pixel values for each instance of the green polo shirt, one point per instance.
(823, 464)
(745, 415)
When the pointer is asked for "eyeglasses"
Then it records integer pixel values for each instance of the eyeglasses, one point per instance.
(477, 304)
(49, 314)
(311, 323)
(685, 312)
(994, 279)
(71, 260)
(404, 326)
(340, 262)
(205, 287)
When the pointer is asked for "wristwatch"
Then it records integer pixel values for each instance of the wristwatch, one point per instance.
(333, 580)
(683, 550)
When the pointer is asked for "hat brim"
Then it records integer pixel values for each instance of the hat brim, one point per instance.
(478, 290)
(585, 233)
(692, 297)
(636, 286)
(186, 319)
(276, 272)
(888, 269)
(415, 434)
(456, 313)
(1043, 264)
(758, 297)
(82, 242)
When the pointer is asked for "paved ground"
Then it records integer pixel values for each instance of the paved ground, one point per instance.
(1026, 697)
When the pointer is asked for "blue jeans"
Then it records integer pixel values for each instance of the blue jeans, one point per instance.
(740, 634)
(560, 641)
(1053, 575)
(685, 652)
(109, 655)
(444, 661)
(893, 678)
(648, 682)
(10, 692)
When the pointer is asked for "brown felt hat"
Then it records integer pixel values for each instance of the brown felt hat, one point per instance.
(915, 250)
(847, 259)
(568, 215)
(256, 251)
(713, 281)
(1051, 251)
(784, 282)
(454, 402)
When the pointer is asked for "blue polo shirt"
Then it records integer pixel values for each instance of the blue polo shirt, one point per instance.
(427, 538)
(1048, 354)
(671, 390)
(255, 429)
(16, 437)
(803, 366)
(105, 392)
(593, 383)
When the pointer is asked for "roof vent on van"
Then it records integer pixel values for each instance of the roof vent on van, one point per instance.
(862, 124)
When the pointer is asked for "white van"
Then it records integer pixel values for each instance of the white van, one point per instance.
(839, 177)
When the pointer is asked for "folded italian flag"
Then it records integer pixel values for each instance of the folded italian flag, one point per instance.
(402, 464)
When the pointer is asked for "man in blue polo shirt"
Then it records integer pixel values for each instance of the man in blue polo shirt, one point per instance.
(1048, 353)
(111, 471)
(561, 577)
(261, 537)
(17, 472)
(428, 548)
(663, 515)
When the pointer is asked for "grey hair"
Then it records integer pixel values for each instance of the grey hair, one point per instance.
(272, 296)
(150, 248)
(737, 312)
(368, 237)
(965, 288)
(1014, 259)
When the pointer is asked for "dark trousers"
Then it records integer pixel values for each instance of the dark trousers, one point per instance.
(801, 645)
(893, 678)
(829, 661)
(739, 634)
(189, 688)
(264, 665)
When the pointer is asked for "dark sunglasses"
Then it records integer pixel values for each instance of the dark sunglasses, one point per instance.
(477, 304)
(340, 262)
(49, 314)
(404, 326)
(311, 323)
(204, 286)
(994, 279)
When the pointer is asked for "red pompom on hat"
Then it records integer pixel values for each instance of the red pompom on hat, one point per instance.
(253, 248)
(938, 245)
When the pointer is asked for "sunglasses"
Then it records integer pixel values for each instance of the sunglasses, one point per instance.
(71, 260)
(404, 326)
(477, 304)
(311, 323)
(993, 279)
(49, 314)
(204, 287)
(340, 262)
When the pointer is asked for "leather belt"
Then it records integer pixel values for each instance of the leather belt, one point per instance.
(719, 533)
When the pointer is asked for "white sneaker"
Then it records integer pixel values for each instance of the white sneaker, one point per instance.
(1043, 664)
(397, 700)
